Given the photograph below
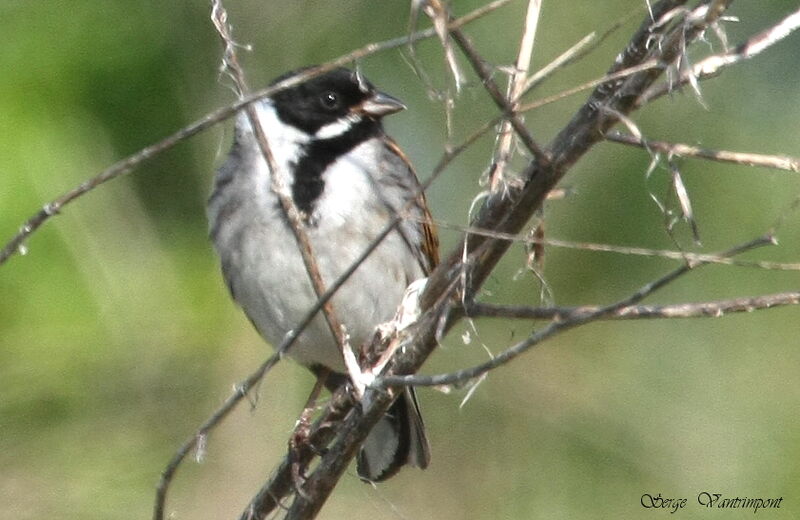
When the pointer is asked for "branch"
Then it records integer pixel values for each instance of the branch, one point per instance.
(516, 87)
(710, 309)
(240, 390)
(278, 185)
(278, 486)
(509, 211)
(686, 256)
(556, 327)
(713, 65)
(778, 162)
(468, 266)
(483, 71)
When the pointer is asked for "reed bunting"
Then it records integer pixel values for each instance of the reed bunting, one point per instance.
(348, 179)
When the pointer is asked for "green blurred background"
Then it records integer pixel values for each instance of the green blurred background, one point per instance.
(117, 337)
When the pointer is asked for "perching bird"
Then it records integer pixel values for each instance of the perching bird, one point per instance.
(348, 179)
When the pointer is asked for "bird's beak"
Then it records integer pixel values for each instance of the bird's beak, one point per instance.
(380, 104)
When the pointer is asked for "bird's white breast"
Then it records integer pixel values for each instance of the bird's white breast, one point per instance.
(262, 263)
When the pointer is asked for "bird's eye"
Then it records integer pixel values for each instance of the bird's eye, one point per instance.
(330, 100)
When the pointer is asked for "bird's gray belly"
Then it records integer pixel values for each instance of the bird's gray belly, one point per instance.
(272, 285)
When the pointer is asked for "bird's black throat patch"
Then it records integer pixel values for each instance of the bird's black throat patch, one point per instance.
(309, 178)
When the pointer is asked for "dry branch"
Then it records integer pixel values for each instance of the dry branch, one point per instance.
(710, 309)
(713, 65)
(464, 271)
(778, 162)
(516, 87)
(557, 326)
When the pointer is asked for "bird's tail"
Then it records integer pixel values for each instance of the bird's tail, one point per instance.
(398, 439)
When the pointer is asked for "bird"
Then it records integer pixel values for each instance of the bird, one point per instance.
(348, 179)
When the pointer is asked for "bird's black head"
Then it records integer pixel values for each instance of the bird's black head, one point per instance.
(339, 96)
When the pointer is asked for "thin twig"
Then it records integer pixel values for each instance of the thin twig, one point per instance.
(709, 309)
(778, 162)
(623, 250)
(586, 45)
(519, 75)
(516, 86)
(278, 185)
(485, 74)
(620, 74)
(240, 391)
(558, 326)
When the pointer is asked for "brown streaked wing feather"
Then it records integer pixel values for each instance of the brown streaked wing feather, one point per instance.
(430, 240)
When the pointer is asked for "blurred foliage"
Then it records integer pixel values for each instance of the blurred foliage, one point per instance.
(117, 337)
